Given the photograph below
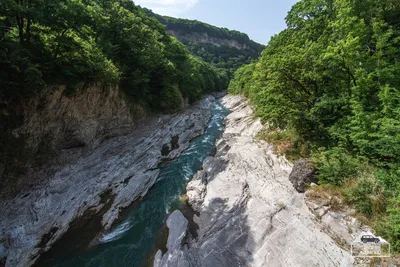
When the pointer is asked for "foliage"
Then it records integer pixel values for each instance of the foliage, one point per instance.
(43, 43)
(286, 143)
(367, 195)
(336, 165)
(173, 99)
(47, 43)
(222, 57)
(389, 226)
(333, 77)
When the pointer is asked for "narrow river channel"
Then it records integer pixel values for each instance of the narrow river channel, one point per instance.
(135, 239)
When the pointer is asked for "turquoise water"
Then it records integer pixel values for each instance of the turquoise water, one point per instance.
(134, 240)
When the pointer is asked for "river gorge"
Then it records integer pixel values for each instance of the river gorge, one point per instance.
(132, 241)
(197, 188)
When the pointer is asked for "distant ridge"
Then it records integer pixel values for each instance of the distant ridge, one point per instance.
(225, 49)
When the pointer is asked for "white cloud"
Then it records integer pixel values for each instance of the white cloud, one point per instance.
(167, 7)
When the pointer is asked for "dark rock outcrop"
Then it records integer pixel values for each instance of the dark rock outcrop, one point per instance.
(302, 175)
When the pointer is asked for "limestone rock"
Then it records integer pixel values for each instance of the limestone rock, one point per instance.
(302, 175)
(178, 226)
(204, 38)
(338, 223)
(177, 254)
(249, 214)
(113, 175)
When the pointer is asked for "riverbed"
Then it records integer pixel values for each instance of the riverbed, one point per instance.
(134, 240)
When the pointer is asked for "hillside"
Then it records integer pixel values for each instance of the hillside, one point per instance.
(329, 86)
(223, 48)
(93, 49)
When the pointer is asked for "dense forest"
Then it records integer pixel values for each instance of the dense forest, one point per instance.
(329, 86)
(69, 44)
(226, 58)
(110, 42)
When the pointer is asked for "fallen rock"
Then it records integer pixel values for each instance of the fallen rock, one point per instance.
(302, 175)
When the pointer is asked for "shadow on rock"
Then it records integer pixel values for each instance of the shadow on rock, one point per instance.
(224, 238)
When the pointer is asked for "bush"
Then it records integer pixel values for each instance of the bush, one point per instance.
(171, 99)
(336, 165)
(287, 142)
(389, 226)
(368, 196)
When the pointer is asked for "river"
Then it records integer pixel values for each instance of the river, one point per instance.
(134, 240)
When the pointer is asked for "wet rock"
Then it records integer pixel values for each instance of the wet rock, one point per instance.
(3, 254)
(302, 175)
(158, 259)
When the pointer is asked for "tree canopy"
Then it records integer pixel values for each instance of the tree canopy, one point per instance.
(45, 43)
(70, 44)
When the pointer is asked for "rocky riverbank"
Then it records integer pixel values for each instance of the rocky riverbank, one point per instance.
(249, 213)
(112, 176)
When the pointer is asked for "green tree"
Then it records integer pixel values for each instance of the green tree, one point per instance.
(333, 78)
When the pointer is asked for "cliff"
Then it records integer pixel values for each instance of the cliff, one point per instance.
(206, 38)
(199, 32)
(225, 49)
(54, 129)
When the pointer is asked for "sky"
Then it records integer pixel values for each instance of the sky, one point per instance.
(260, 19)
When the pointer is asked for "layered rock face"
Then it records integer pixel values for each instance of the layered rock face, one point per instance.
(56, 129)
(109, 178)
(204, 38)
(85, 119)
(249, 214)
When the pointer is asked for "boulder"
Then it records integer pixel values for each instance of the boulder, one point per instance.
(176, 255)
(302, 175)
(178, 226)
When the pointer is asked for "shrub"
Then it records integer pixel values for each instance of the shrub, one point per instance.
(171, 99)
(367, 195)
(336, 165)
(389, 226)
(287, 143)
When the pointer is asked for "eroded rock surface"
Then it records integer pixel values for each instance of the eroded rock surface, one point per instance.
(115, 174)
(249, 212)
(336, 219)
(53, 130)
